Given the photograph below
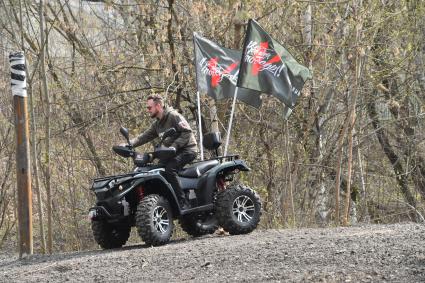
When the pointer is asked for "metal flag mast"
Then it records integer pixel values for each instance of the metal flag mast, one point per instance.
(200, 125)
(229, 129)
(198, 99)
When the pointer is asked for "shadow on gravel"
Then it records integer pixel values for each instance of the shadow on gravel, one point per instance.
(41, 258)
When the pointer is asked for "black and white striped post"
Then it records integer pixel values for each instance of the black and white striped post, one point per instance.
(23, 174)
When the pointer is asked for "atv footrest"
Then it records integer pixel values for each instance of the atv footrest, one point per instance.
(197, 209)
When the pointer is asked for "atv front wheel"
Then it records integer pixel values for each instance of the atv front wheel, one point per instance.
(154, 220)
(238, 209)
(109, 236)
(199, 225)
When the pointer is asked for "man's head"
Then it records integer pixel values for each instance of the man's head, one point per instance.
(155, 106)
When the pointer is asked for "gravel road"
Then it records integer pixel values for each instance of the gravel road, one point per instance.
(372, 253)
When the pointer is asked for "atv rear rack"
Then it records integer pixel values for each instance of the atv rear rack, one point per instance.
(226, 158)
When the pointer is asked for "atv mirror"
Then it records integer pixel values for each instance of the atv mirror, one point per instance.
(124, 132)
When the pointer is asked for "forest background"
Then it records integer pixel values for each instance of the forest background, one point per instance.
(358, 126)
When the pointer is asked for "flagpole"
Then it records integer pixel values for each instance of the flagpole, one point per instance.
(199, 104)
(231, 121)
(200, 126)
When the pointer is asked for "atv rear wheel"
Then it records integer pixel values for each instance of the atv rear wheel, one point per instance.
(238, 209)
(154, 220)
(109, 236)
(199, 225)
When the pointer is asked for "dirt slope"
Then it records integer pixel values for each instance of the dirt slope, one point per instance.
(374, 253)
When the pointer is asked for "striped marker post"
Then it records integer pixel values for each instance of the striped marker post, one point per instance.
(23, 174)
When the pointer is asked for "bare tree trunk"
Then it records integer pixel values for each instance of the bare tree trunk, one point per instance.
(344, 128)
(357, 74)
(77, 119)
(35, 170)
(289, 178)
(269, 176)
(342, 133)
(403, 122)
(349, 167)
(321, 202)
(322, 206)
(174, 65)
(394, 159)
(365, 211)
(47, 128)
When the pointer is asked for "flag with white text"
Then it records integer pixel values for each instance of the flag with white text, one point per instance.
(266, 66)
(217, 70)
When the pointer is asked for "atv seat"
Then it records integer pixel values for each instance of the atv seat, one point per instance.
(197, 169)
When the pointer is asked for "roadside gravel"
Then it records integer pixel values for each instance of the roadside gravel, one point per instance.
(372, 253)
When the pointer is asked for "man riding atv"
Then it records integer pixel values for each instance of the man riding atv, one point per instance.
(183, 141)
(150, 200)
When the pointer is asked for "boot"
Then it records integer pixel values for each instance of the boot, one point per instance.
(184, 204)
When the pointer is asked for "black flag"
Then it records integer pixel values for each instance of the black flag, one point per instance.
(268, 67)
(217, 70)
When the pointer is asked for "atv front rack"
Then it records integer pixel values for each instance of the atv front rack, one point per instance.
(106, 178)
(98, 213)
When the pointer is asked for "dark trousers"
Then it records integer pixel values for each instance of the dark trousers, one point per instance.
(172, 166)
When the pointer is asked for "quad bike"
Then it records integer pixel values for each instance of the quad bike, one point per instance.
(144, 198)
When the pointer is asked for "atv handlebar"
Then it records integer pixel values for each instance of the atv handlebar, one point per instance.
(160, 152)
(124, 151)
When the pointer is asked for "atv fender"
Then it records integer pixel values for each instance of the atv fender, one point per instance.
(156, 184)
(162, 186)
(207, 183)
